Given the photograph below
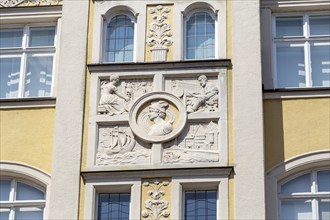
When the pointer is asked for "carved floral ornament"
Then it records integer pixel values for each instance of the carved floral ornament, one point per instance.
(155, 206)
(14, 3)
(160, 29)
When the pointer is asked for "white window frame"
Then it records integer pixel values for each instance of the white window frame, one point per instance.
(106, 21)
(24, 51)
(290, 168)
(31, 176)
(181, 184)
(304, 40)
(94, 187)
(216, 35)
(312, 195)
(12, 204)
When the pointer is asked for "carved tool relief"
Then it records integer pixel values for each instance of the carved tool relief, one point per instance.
(117, 146)
(156, 207)
(198, 143)
(199, 96)
(117, 97)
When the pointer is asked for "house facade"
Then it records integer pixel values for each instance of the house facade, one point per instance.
(165, 109)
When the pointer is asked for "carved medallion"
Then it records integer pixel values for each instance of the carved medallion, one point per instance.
(157, 117)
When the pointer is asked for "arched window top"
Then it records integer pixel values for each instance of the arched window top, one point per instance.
(119, 39)
(200, 7)
(304, 182)
(200, 36)
(120, 10)
(22, 200)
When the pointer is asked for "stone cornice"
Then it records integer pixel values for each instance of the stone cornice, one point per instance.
(220, 63)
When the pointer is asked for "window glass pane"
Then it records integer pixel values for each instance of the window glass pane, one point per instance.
(42, 36)
(11, 37)
(103, 209)
(114, 206)
(324, 209)
(9, 77)
(290, 66)
(323, 181)
(296, 210)
(4, 190)
(39, 74)
(200, 204)
(200, 35)
(29, 213)
(319, 25)
(299, 184)
(120, 39)
(289, 26)
(4, 213)
(26, 192)
(320, 57)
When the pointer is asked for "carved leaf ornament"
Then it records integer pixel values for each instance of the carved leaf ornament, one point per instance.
(155, 207)
(159, 32)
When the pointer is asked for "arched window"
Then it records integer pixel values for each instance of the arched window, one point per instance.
(21, 200)
(305, 196)
(119, 39)
(200, 36)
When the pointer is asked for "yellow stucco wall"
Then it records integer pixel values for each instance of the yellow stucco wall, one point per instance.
(294, 127)
(26, 136)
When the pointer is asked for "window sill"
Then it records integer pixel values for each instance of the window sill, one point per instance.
(27, 102)
(294, 93)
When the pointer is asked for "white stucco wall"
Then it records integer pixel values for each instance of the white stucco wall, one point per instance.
(247, 112)
(64, 197)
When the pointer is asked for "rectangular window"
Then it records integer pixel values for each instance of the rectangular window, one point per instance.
(302, 51)
(200, 204)
(27, 56)
(113, 206)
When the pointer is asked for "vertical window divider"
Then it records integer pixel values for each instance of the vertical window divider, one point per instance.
(274, 59)
(307, 64)
(307, 52)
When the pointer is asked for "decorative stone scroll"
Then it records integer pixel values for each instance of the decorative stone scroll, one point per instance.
(157, 117)
(198, 143)
(14, 3)
(155, 206)
(159, 34)
(117, 146)
(117, 97)
(198, 98)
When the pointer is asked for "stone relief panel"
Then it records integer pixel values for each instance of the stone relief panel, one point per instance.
(156, 206)
(117, 96)
(198, 143)
(117, 146)
(21, 3)
(199, 95)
